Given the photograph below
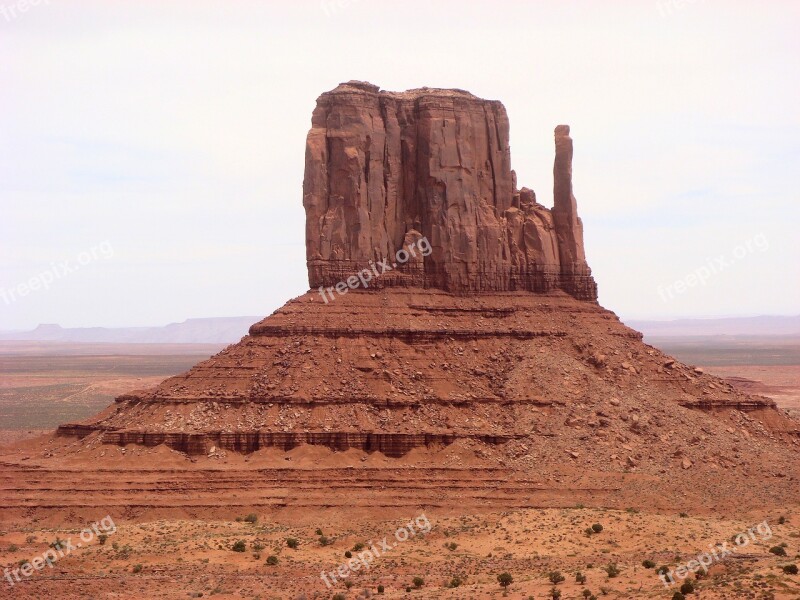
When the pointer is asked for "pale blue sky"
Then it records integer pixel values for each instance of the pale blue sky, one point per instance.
(173, 132)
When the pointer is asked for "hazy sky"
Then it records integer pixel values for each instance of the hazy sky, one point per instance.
(159, 146)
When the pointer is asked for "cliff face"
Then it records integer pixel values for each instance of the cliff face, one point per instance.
(384, 169)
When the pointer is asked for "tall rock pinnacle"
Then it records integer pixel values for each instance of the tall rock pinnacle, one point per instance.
(384, 169)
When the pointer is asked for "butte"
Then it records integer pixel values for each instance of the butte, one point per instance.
(481, 373)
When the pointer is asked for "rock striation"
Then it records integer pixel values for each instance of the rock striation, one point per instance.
(385, 168)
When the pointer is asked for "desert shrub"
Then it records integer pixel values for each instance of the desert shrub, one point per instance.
(687, 588)
(790, 569)
(505, 579)
(324, 541)
(380, 589)
(555, 593)
(257, 546)
(292, 543)
(580, 578)
(102, 538)
(778, 550)
(588, 531)
(272, 560)
(678, 596)
(137, 568)
(455, 582)
(418, 582)
(348, 584)
(318, 532)
(239, 546)
(339, 597)
(251, 518)
(648, 564)
(451, 546)
(13, 548)
(662, 570)
(358, 547)
(597, 528)
(555, 577)
(348, 554)
(781, 520)
(612, 570)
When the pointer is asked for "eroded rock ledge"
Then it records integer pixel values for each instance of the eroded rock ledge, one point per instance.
(384, 169)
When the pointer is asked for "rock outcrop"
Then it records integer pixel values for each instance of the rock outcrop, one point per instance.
(384, 169)
(482, 374)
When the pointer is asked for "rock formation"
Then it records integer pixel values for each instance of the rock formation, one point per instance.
(483, 374)
(386, 167)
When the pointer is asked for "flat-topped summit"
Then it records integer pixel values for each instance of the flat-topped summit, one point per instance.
(384, 169)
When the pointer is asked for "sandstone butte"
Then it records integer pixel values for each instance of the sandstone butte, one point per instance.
(484, 375)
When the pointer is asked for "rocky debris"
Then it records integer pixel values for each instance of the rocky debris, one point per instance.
(385, 169)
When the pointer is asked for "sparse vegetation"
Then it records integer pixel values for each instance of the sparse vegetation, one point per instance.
(555, 577)
(505, 579)
(293, 543)
(648, 564)
(612, 570)
(790, 569)
(687, 588)
(137, 568)
(239, 546)
(251, 518)
(324, 541)
(418, 582)
(778, 550)
(597, 528)
(272, 560)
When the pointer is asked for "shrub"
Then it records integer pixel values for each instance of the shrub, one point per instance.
(588, 531)
(451, 546)
(781, 520)
(778, 551)
(612, 570)
(348, 554)
(648, 564)
(339, 597)
(505, 579)
(257, 546)
(580, 578)
(324, 541)
(102, 538)
(292, 543)
(555, 593)
(358, 547)
(790, 569)
(348, 584)
(455, 582)
(318, 532)
(380, 589)
(137, 568)
(597, 528)
(687, 588)
(587, 593)
(13, 548)
(251, 518)
(239, 546)
(272, 560)
(678, 596)
(555, 577)
(418, 582)
(662, 570)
